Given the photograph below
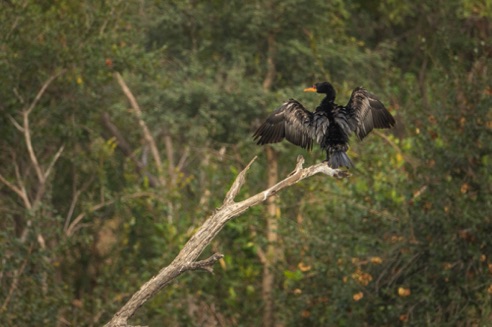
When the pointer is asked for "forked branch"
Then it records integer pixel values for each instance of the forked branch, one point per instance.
(187, 257)
(41, 174)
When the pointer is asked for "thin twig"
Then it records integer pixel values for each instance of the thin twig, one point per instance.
(71, 227)
(182, 160)
(75, 199)
(11, 186)
(55, 158)
(19, 190)
(18, 96)
(32, 154)
(43, 89)
(16, 124)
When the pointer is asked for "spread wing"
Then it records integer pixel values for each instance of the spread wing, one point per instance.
(291, 121)
(367, 112)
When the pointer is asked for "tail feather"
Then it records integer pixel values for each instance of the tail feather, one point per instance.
(339, 159)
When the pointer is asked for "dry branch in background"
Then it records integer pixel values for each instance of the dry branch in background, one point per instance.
(42, 174)
(149, 139)
(187, 257)
(31, 194)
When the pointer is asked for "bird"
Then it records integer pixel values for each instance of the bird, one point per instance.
(330, 125)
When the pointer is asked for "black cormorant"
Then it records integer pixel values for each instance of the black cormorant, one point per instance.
(330, 125)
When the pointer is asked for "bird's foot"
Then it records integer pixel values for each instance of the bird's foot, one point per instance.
(341, 173)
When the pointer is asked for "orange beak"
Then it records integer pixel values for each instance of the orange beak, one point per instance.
(310, 89)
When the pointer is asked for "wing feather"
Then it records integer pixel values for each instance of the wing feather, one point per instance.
(290, 121)
(320, 126)
(366, 112)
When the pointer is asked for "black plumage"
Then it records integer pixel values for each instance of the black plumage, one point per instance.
(330, 125)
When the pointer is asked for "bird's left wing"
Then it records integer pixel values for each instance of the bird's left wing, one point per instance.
(366, 112)
(291, 121)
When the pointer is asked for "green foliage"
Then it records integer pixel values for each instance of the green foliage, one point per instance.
(404, 241)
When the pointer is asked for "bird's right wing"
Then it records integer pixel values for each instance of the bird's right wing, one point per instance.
(291, 121)
(367, 112)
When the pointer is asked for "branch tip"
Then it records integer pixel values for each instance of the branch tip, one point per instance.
(238, 183)
(250, 163)
(300, 162)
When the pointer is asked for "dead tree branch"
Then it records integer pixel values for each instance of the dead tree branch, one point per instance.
(20, 191)
(42, 175)
(186, 259)
(149, 139)
(27, 132)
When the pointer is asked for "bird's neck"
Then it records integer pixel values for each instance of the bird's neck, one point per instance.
(326, 104)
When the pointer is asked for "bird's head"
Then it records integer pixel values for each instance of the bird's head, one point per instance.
(323, 87)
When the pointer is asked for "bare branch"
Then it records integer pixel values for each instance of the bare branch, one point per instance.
(206, 264)
(70, 229)
(18, 96)
(32, 154)
(123, 144)
(182, 160)
(20, 191)
(27, 131)
(55, 158)
(238, 183)
(11, 186)
(75, 199)
(300, 162)
(16, 124)
(16, 168)
(42, 90)
(186, 259)
(138, 112)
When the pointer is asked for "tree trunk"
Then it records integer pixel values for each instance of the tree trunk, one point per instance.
(271, 253)
(273, 212)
